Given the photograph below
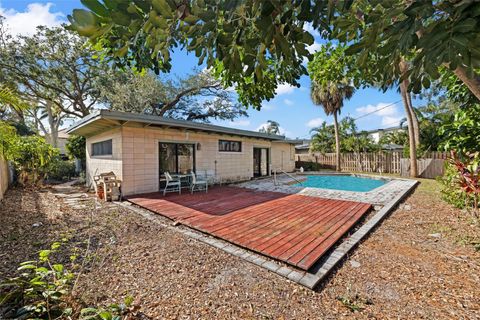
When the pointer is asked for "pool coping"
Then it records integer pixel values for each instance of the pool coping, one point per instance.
(378, 197)
(309, 279)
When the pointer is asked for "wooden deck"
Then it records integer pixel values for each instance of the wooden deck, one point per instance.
(293, 228)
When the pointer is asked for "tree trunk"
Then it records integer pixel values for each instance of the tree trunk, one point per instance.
(411, 131)
(473, 84)
(337, 142)
(408, 102)
(416, 127)
(53, 124)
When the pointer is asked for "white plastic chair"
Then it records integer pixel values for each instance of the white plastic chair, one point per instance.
(171, 185)
(197, 185)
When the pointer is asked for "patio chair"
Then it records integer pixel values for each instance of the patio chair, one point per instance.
(171, 185)
(197, 185)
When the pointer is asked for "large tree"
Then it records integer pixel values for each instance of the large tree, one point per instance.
(54, 65)
(197, 97)
(332, 74)
(55, 72)
(261, 43)
(331, 96)
(271, 127)
(253, 44)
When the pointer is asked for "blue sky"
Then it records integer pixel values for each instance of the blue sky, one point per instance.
(291, 107)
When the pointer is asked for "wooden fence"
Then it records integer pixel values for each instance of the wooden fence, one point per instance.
(427, 168)
(383, 162)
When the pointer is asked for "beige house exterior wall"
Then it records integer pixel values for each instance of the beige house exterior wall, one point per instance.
(61, 144)
(101, 164)
(283, 156)
(136, 156)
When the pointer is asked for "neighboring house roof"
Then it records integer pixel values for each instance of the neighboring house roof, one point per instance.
(62, 134)
(387, 129)
(102, 120)
(392, 146)
(303, 146)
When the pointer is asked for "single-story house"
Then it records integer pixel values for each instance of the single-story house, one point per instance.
(377, 134)
(302, 146)
(139, 148)
(62, 139)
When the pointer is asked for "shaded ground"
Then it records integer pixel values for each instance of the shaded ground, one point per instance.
(420, 263)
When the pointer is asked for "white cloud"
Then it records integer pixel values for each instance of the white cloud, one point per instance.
(288, 102)
(309, 28)
(388, 113)
(391, 121)
(268, 107)
(240, 123)
(285, 88)
(314, 47)
(384, 109)
(36, 14)
(315, 122)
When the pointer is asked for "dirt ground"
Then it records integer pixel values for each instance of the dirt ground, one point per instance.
(422, 262)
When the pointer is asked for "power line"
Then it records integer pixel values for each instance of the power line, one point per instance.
(379, 109)
(369, 113)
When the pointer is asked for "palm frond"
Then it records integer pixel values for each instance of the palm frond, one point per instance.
(331, 95)
(10, 99)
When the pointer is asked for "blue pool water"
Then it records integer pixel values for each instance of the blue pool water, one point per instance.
(338, 182)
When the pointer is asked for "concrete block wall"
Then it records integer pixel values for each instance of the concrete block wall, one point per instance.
(135, 156)
(283, 156)
(140, 156)
(102, 164)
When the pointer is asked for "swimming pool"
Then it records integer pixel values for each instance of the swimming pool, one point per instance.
(342, 182)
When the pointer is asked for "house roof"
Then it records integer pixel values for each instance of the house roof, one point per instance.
(102, 120)
(62, 134)
(304, 146)
(392, 146)
(404, 127)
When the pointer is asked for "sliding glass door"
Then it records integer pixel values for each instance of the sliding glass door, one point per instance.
(176, 158)
(260, 162)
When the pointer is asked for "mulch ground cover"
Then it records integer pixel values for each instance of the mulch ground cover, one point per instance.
(422, 262)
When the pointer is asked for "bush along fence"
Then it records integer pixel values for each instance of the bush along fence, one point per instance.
(430, 165)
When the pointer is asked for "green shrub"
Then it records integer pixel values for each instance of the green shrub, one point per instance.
(61, 170)
(43, 290)
(451, 191)
(40, 289)
(461, 181)
(311, 166)
(32, 157)
(76, 149)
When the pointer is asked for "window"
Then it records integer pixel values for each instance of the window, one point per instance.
(103, 148)
(176, 157)
(229, 146)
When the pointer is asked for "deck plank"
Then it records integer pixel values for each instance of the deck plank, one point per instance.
(295, 229)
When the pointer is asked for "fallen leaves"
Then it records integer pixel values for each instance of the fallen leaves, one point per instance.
(398, 272)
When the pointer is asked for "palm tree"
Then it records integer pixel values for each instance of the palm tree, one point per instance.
(331, 96)
(9, 99)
